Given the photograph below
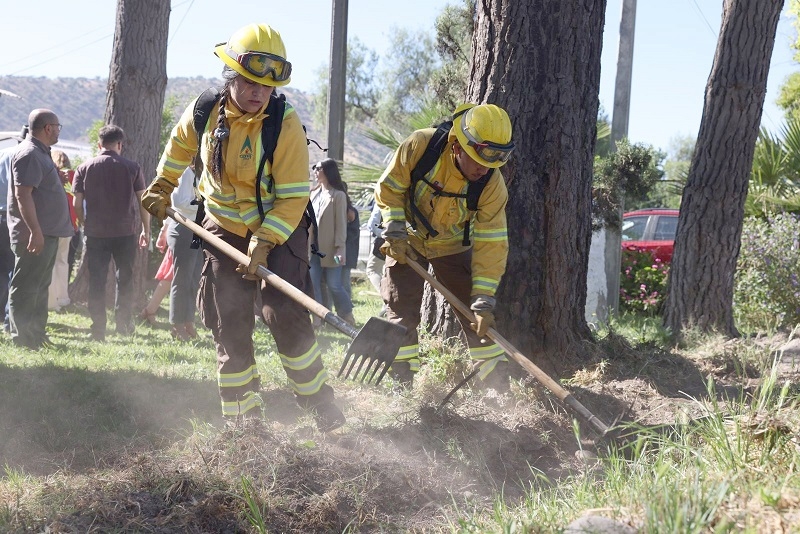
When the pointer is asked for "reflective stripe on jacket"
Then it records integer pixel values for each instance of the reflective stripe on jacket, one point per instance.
(448, 215)
(232, 203)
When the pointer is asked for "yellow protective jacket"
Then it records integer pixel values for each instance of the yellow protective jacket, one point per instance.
(232, 203)
(448, 215)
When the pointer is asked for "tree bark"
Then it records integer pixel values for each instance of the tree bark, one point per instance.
(700, 291)
(540, 60)
(137, 82)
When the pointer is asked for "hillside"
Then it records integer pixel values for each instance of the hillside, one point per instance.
(81, 101)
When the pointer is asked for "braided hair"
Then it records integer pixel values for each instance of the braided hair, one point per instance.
(221, 132)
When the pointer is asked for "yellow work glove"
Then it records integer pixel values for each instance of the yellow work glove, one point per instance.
(483, 307)
(156, 198)
(398, 249)
(258, 250)
(396, 244)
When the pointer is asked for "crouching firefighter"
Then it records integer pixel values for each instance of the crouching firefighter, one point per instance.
(443, 203)
(256, 204)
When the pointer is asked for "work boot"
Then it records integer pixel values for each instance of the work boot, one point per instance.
(328, 416)
(402, 374)
(349, 319)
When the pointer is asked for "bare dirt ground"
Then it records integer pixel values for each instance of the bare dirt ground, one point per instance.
(400, 464)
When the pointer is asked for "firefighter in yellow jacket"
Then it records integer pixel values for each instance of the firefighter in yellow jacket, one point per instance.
(467, 249)
(231, 152)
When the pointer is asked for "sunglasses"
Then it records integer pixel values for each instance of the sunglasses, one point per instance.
(262, 63)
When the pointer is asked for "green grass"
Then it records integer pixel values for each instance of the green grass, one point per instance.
(87, 429)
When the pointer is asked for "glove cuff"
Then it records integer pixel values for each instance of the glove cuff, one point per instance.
(164, 184)
(482, 303)
(395, 230)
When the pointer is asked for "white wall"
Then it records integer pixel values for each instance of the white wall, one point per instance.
(596, 284)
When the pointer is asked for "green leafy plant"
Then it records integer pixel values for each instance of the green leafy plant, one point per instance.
(643, 282)
(767, 289)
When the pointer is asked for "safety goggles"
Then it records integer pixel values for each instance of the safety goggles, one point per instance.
(486, 150)
(262, 63)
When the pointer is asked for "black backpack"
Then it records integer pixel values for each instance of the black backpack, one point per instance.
(270, 130)
(429, 158)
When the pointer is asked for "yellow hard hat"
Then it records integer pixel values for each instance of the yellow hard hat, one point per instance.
(484, 132)
(257, 53)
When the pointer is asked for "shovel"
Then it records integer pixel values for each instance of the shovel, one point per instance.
(375, 345)
(562, 394)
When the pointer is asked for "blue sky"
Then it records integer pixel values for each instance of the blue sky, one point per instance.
(673, 52)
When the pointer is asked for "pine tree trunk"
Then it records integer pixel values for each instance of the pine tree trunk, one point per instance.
(540, 60)
(709, 231)
(438, 315)
(137, 82)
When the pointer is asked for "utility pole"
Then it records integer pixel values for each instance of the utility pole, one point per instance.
(619, 130)
(337, 80)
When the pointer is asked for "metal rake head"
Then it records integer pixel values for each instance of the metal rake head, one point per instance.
(372, 351)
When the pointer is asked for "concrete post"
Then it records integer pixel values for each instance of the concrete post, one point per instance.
(337, 80)
(619, 130)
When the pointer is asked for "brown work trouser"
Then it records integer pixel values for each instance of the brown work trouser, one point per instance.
(225, 301)
(402, 290)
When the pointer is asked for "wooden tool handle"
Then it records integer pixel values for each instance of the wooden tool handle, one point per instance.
(271, 278)
(554, 387)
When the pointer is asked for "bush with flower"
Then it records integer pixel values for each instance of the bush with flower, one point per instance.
(643, 282)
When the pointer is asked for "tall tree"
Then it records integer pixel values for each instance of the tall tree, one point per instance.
(540, 60)
(137, 78)
(137, 83)
(712, 208)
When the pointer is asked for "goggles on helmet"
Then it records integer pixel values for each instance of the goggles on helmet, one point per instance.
(486, 150)
(263, 63)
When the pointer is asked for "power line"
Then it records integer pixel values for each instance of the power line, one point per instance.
(181, 21)
(68, 52)
(702, 15)
(49, 50)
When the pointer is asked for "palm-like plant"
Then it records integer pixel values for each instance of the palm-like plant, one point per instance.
(775, 177)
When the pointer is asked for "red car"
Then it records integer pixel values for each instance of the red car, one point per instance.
(651, 229)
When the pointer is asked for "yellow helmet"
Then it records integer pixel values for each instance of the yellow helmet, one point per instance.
(257, 53)
(484, 132)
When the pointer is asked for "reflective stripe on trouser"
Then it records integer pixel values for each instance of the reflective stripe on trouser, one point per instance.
(410, 355)
(227, 305)
(402, 290)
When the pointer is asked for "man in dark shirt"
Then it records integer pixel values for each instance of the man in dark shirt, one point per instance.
(37, 216)
(111, 187)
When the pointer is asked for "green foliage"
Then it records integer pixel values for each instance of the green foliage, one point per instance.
(602, 147)
(767, 289)
(454, 27)
(775, 177)
(643, 283)
(169, 117)
(668, 191)
(627, 174)
(93, 134)
(789, 97)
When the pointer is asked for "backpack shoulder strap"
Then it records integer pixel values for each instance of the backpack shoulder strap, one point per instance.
(203, 107)
(270, 130)
(433, 151)
(474, 190)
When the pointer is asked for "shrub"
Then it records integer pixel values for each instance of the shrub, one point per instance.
(643, 282)
(766, 286)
